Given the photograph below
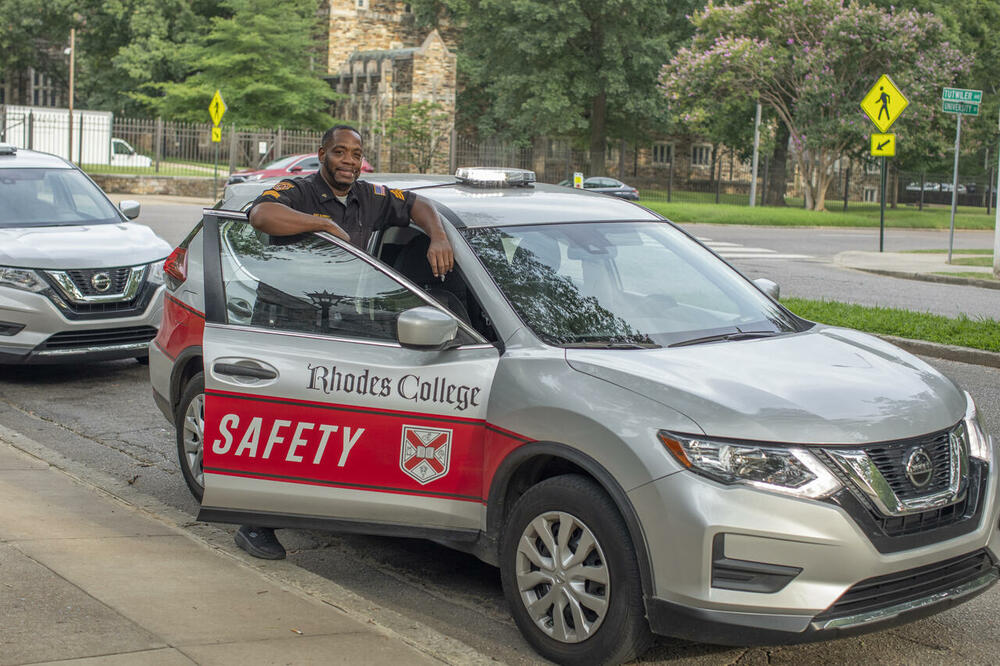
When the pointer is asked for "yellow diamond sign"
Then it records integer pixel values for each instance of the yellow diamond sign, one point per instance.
(884, 103)
(216, 108)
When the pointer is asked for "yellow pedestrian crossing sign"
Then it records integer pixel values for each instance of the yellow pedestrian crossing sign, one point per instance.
(216, 134)
(884, 103)
(884, 145)
(217, 108)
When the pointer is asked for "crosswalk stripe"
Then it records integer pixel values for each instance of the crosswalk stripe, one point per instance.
(729, 250)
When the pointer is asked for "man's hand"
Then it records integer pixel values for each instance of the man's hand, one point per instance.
(440, 256)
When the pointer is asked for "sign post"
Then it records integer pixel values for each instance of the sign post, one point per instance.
(961, 102)
(216, 109)
(996, 227)
(883, 105)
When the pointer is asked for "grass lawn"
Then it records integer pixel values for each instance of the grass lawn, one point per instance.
(171, 169)
(970, 274)
(902, 217)
(962, 331)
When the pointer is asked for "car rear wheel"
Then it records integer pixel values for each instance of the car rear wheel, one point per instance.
(190, 424)
(570, 575)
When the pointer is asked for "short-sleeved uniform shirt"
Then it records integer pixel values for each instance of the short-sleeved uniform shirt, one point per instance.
(369, 207)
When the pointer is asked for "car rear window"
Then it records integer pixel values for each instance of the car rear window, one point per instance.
(52, 197)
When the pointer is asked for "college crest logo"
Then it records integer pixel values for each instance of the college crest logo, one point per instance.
(425, 453)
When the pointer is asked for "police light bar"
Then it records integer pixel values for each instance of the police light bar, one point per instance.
(495, 177)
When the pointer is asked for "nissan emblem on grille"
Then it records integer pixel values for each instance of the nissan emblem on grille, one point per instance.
(101, 282)
(919, 468)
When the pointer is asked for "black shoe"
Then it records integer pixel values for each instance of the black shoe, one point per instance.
(260, 542)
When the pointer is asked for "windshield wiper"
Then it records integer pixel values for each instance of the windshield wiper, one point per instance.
(607, 344)
(727, 337)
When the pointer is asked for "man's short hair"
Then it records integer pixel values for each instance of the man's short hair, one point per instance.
(328, 135)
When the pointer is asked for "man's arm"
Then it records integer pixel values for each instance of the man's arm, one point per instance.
(278, 219)
(439, 255)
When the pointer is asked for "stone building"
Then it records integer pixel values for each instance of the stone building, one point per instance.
(379, 59)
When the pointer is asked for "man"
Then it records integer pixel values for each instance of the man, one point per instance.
(335, 201)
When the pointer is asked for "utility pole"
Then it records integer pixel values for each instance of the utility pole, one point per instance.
(756, 150)
(72, 62)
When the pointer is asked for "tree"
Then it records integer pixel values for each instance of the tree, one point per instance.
(417, 131)
(33, 33)
(583, 68)
(812, 61)
(260, 56)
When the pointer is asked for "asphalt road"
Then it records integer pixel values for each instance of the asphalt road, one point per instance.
(103, 416)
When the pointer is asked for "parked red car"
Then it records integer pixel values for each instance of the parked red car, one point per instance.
(286, 167)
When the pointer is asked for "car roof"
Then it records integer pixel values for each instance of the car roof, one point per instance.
(484, 206)
(31, 159)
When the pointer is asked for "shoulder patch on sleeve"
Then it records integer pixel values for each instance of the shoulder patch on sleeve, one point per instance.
(398, 194)
(378, 189)
(270, 193)
(283, 186)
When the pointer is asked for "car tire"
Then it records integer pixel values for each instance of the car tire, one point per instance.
(601, 615)
(189, 421)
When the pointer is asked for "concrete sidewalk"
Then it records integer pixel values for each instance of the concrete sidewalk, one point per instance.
(87, 578)
(927, 266)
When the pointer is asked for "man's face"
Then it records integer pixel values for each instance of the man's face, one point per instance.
(340, 160)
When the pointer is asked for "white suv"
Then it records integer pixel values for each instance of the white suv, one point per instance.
(78, 280)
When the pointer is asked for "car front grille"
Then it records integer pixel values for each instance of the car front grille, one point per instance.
(905, 586)
(83, 279)
(105, 337)
(890, 459)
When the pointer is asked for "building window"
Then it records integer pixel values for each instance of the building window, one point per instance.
(871, 167)
(362, 4)
(701, 155)
(871, 194)
(663, 153)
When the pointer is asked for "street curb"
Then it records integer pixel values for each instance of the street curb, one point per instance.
(285, 574)
(946, 352)
(930, 277)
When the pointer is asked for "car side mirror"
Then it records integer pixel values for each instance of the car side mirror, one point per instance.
(426, 328)
(769, 287)
(129, 208)
(295, 169)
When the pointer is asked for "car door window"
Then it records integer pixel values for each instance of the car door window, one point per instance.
(307, 284)
(309, 163)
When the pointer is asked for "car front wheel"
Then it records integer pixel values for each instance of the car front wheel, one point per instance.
(570, 576)
(190, 424)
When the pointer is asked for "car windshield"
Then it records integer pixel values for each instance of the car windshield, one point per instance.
(52, 197)
(622, 285)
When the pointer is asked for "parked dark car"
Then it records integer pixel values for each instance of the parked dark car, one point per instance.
(606, 185)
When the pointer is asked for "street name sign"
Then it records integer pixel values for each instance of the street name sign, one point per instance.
(217, 108)
(884, 145)
(961, 101)
(884, 103)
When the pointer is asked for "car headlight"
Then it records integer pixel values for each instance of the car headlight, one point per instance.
(21, 278)
(155, 274)
(980, 444)
(254, 176)
(790, 470)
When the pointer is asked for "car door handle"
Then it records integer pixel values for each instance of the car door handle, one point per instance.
(239, 307)
(236, 370)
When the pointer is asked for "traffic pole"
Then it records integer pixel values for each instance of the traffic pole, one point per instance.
(954, 186)
(881, 212)
(756, 152)
(996, 223)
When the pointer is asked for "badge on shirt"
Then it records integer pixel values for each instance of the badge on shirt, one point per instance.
(378, 189)
(283, 186)
(398, 194)
(270, 193)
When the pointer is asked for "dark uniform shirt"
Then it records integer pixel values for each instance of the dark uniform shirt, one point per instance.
(369, 207)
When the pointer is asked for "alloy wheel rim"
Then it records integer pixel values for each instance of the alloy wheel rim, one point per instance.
(194, 431)
(563, 577)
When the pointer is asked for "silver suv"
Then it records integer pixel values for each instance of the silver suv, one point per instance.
(638, 436)
(78, 280)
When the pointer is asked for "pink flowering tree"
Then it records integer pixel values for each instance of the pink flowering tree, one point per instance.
(812, 62)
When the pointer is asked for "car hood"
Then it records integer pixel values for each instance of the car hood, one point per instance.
(81, 246)
(824, 386)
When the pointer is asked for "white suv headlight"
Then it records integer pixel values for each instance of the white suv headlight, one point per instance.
(980, 444)
(155, 274)
(21, 278)
(790, 470)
